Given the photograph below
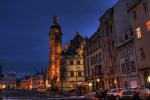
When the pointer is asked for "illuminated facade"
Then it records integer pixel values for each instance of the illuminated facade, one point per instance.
(55, 35)
(72, 66)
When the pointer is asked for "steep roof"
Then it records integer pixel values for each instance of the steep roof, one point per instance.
(74, 45)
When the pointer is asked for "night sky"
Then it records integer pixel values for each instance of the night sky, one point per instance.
(24, 27)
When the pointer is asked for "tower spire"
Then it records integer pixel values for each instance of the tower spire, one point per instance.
(55, 19)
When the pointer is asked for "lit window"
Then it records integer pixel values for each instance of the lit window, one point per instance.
(148, 25)
(138, 33)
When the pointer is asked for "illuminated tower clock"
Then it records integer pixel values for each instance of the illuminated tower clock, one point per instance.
(55, 35)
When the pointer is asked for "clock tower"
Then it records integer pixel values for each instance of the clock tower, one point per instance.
(55, 36)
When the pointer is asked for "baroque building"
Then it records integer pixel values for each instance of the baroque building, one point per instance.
(72, 66)
(55, 35)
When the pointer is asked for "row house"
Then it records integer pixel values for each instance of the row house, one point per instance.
(139, 13)
(125, 44)
(92, 62)
(108, 39)
(115, 54)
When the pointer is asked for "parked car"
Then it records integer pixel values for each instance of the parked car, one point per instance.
(115, 92)
(134, 89)
(130, 94)
(145, 91)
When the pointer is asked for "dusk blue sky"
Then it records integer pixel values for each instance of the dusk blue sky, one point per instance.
(24, 27)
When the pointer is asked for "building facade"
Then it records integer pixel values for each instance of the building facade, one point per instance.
(125, 44)
(139, 13)
(26, 83)
(108, 39)
(72, 67)
(114, 51)
(93, 62)
(38, 82)
(11, 80)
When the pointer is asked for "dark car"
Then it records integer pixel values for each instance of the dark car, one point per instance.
(130, 95)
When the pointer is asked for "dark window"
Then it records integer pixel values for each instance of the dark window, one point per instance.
(145, 7)
(110, 28)
(71, 62)
(63, 62)
(123, 68)
(78, 62)
(89, 72)
(127, 66)
(134, 15)
(133, 67)
(142, 53)
(99, 70)
(99, 56)
(79, 74)
(72, 73)
(93, 72)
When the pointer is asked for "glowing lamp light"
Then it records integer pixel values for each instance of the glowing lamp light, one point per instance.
(138, 33)
(90, 84)
(148, 79)
(97, 80)
(148, 25)
(71, 85)
(30, 87)
(115, 81)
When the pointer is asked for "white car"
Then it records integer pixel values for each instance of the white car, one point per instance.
(115, 92)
